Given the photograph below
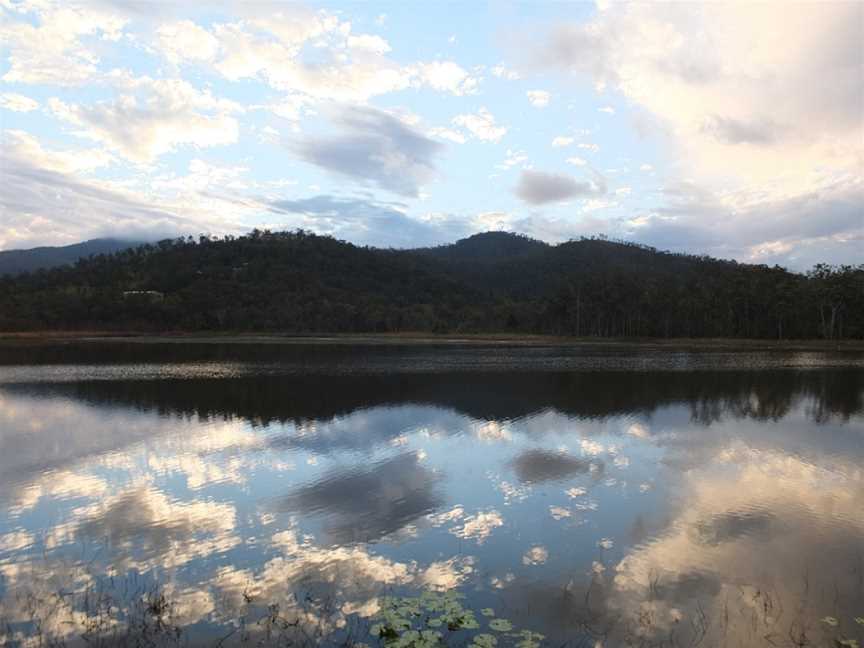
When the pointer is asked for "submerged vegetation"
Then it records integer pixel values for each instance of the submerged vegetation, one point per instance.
(126, 613)
(298, 282)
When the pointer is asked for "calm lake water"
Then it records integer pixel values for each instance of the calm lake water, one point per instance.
(192, 493)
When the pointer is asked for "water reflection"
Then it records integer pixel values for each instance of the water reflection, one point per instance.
(725, 507)
(365, 504)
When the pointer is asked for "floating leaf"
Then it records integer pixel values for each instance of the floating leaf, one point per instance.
(489, 612)
(859, 620)
(529, 639)
(501, 625)
(485, 641)
(831, 621)
(848, 643)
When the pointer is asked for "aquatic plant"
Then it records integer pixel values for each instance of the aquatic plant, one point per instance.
(421, 621)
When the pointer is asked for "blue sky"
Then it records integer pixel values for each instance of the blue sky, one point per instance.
(727, 128)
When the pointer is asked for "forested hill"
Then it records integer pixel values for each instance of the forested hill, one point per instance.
(17, 261)
(298, 282)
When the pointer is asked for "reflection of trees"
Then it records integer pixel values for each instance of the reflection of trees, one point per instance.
(711, 395)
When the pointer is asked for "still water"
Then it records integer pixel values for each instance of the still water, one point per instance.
(156, 494)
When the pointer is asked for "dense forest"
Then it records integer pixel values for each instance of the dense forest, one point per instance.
(298, 282)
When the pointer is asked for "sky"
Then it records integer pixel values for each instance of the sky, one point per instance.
(729, 129)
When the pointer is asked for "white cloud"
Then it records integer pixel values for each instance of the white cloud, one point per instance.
(609, 110)
(481, 125)
(562, 141)
(369, 43)
(185, 41)
(588, 146)
(539, 98)
(52, 50)
(152, 117)
(753, 90)
(646, 167)
(447, 134)
(503, 72)
(446, 76)
(17, 102)
(576, 161)
(20, 145)
(512, 159)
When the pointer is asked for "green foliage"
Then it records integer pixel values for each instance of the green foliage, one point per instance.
(427, 620)
(298, 282)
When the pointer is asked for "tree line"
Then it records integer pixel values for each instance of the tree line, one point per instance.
(299, 282)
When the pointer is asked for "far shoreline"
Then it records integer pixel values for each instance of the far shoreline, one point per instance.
(422, 339)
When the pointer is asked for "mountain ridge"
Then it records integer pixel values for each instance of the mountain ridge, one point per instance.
(16, 261)
(300, 282)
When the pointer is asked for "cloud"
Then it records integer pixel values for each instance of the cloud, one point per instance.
(821, 221)
(46, 43)
(17, 102)
(184, 41)
(153, 117)
(539, 98)
(539, 187)
(562, 141)
(369, 43)
(504, 72)
(446, 76)
(313, 53)
(513, 158)
(737, 102)
(49, 191)
(609, 110)
(369, 222)
(481, 125)
(376, 147)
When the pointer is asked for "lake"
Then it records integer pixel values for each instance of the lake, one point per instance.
(335, 494)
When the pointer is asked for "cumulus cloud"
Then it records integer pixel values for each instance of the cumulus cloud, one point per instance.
(46, 43)
(185, 41)
(152, 117)
(375, 147)
(561, 141)
(539, 98)
(310, 52)
(447, 76)
(539, 187)
(504, 72)
(17, 102)
(481, 125)
(745, 104)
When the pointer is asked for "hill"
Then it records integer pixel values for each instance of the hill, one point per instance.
(17, 261)
(298, 282)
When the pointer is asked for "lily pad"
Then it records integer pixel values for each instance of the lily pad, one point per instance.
(500, 625)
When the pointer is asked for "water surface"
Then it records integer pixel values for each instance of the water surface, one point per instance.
(624, 496)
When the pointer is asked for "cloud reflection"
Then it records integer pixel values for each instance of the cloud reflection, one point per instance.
(365, 504)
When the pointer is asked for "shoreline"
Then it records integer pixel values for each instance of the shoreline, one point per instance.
(424, 339)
